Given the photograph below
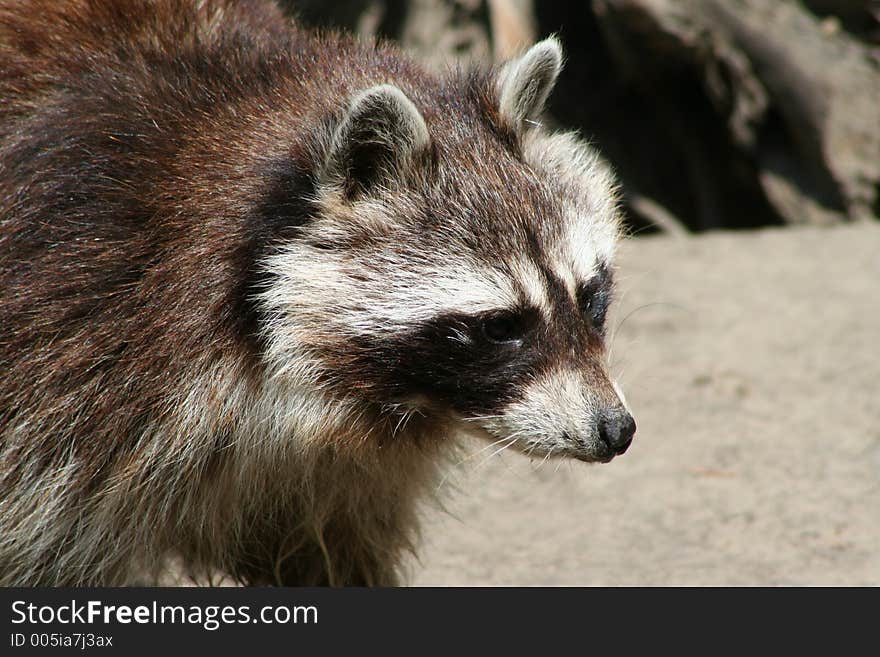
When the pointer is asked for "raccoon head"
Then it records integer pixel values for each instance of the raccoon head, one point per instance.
(459, 264)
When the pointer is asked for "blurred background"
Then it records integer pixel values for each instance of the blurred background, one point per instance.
(746, 335)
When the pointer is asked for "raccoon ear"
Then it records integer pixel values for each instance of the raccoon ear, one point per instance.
(379, 136)
(525, 83)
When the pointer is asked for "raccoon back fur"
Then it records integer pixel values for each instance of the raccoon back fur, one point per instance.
(255, 282)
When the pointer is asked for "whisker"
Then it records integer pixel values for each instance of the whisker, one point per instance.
(512, 438)
(482, 418)
(509, 443)
(481, 450)
(544, 460)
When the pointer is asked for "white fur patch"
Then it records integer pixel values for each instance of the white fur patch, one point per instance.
(323, 293)
(557, 405)
(586, 244)
(591, 223)
(533, 284)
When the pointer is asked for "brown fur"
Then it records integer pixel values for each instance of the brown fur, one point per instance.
(136, 141)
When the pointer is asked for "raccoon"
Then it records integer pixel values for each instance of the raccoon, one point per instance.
(257, 283)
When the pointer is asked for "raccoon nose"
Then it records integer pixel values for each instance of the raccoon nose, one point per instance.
(616, 430)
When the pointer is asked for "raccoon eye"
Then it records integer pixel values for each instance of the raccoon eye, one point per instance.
(503, 328)
(597, 314)
(594, 297)
(593, 304)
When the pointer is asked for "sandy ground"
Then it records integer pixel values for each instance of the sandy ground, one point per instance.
(752, 364)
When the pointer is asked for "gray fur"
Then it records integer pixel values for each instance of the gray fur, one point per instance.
(526, 82)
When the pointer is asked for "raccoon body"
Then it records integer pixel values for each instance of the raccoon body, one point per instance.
(254, 282)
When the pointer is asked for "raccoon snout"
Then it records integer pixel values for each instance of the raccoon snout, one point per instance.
(616, 430)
